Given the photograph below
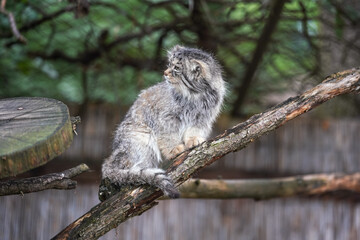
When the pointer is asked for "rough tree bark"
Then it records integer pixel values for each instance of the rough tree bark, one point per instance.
(59, 180)
(136, 200)
(260, 189)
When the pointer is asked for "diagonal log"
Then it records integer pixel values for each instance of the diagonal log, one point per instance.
(136, 200)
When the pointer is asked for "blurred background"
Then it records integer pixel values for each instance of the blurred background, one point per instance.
(96, 56)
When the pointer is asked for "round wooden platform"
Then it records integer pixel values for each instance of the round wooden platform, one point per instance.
(32, 132)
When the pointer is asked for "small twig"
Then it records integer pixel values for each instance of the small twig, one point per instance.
(14, 29)
(13, 26)
(3, 3)
(59, 180)
(75, 121)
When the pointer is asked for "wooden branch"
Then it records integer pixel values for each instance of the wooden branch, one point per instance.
(132, 201)
(12, 22)
(59, 180)
(260, 189)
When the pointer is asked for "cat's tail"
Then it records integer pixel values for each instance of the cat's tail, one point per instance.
(138, 176)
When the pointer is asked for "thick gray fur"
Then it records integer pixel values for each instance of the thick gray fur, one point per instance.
(167, 118)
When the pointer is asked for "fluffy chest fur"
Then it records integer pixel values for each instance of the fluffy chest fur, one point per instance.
(171, 112)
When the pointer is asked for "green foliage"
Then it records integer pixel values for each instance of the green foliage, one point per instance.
(119, 47)
(339, 25)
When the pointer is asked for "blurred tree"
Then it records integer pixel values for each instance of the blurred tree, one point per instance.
(84, 51)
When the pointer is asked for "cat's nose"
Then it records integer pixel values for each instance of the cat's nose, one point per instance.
(167, 72)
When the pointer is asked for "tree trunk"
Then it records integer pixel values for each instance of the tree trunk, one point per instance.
(262, 43)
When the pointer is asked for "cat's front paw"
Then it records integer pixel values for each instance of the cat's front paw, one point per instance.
(170, 191)
(193, 141)
(169, 154)
(176, 150)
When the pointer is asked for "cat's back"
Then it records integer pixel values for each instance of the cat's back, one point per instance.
(151, 104)
(155, 94)
(154, 99)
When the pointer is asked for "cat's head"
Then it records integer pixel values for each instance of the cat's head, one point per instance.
(193, 71)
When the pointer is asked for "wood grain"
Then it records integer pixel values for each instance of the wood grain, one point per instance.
(32, 132)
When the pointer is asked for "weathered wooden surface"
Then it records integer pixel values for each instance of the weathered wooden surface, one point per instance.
(120, 207)
(261, 189)
(32, 132)
(185, 219)
(61, 180)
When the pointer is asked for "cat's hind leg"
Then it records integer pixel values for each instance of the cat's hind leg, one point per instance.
(135, 162)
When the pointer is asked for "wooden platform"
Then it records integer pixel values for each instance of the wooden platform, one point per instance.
(32, 132)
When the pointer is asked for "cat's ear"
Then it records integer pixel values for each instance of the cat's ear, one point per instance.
(176, 48)
(198, 67)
